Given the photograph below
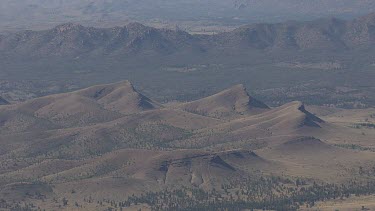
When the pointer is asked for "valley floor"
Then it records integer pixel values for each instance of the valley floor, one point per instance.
(353, 203)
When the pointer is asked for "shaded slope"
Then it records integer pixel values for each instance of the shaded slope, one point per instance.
(3, 101)
(119, 97)
(234, 101)
(149, 129)
(256, 131)
(287, 118)
(84, 107)
(72, 40)
(323, 34)
(70, 142)
(304, 145)
(102, 118)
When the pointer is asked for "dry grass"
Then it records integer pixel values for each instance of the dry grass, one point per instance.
(68, 145)
(351, 204)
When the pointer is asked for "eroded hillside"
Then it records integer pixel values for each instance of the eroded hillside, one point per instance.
(93, 148)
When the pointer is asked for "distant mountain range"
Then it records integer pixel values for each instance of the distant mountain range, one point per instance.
(74, 39)
(281, 62)
(307, 7)
(21, 14)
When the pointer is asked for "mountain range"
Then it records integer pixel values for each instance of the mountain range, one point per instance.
(105, 106)
(112, 139)
(223, 12)
(279, 62)
(71, 40)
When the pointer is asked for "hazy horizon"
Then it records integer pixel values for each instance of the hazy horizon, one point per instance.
(31, 14)
(210, 105)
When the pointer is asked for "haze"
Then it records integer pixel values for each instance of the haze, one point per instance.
(32, 14)
(187, 105)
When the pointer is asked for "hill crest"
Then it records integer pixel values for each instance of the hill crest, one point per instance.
(230, 102)
(73, 40)
(96, 104)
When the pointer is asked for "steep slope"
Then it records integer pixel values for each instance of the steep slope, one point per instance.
(257, 131)
(3, 101)
(72, 40)
(110, 140)
(286, 118)
(106, 117)
(323, 34)
(84, 107)
(304, 145)
(150, 129)
(232, 102)
(120, 97)
(293, 115)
